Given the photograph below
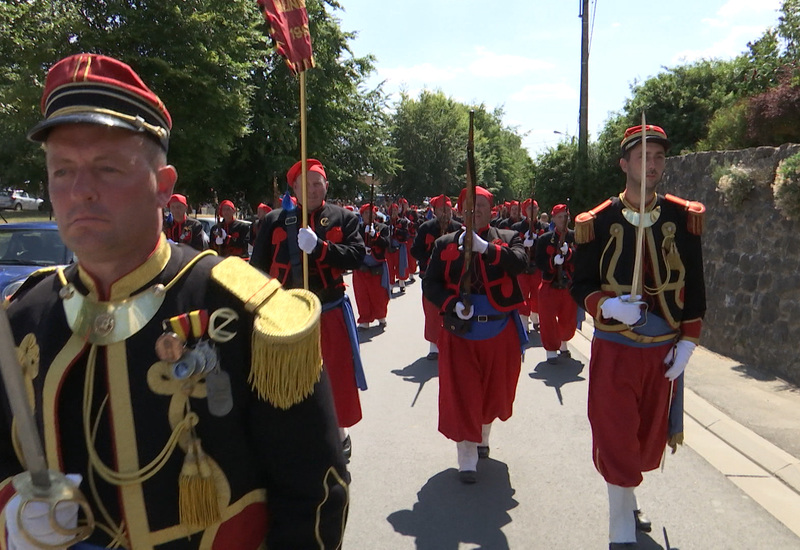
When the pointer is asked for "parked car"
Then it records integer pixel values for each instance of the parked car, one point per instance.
(26, 247)
(5, 199)
(18, 199)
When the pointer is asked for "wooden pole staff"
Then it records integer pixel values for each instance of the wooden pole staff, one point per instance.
(303, 158)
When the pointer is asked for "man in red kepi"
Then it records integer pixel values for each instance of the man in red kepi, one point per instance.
(397, 255)
(530, 229)
(480, 350)
(229, 235)
(334, 245)
(155, 372)
(261, 213)
(559, 313)
(641, 345)
(181, 229)
(441, 224)
(371, 280)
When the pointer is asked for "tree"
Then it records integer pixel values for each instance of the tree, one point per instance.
(430, 136)
(233, 103)
(347, 123)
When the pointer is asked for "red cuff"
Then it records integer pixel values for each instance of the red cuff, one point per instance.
(690, 330)
(592, 302)
(495, 252)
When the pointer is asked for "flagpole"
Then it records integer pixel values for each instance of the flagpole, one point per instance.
(304, 179)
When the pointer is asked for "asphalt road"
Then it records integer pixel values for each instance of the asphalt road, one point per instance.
(539, 489)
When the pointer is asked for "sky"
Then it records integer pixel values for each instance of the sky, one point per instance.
(524, 55)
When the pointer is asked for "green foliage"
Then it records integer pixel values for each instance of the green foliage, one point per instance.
(735, 183)
(786, 188)
(233, 102)
(683, 99)
(727, 129)
(429, 135)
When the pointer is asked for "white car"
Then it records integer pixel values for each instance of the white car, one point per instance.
(21, 200)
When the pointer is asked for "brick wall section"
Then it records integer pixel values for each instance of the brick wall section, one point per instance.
(752, 261)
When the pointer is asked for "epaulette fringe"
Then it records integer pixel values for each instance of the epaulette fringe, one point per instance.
(584, 223)
(286, 354)
(695, 219)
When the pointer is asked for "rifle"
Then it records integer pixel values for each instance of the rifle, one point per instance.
(561, 280)
(531, 226)
(465, 285)
(371, 213)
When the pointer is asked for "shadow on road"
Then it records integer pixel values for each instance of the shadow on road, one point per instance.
(555, 376)
(534, 340)
(448, 512)
(365, 335)
(418, 372)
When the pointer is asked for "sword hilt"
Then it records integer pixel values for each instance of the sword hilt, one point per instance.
(61, 491)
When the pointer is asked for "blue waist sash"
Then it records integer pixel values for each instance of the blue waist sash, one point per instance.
(485, 323)
(652, 326)
(350, 323)
(370, 261)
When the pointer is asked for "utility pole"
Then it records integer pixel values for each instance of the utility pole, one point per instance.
(583, 122)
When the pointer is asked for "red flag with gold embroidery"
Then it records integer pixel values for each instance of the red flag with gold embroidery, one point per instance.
(288, 25)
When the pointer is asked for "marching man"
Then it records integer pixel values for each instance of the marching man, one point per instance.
(480, 350)
(641, 344)
(559, 312)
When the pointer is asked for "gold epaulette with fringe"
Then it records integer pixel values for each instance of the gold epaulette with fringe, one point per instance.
(32, 280)
(584, 223)
(696, 213)
(286, 351)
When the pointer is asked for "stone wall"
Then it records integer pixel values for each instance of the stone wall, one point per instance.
(752, 261)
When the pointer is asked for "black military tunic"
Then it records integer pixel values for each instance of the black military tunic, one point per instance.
(275, 459)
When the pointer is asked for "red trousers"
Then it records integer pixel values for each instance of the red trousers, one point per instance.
(558, 316)
(628, 410)
(477, 382)
(433, 321)
(529, 284)
(412, 261)
(393, 261)
(372, 300)
(337, 357)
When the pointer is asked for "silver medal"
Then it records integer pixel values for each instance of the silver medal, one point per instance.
(220, 397)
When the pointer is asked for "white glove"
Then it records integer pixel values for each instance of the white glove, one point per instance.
(369, 250)
(461, 313)
(36, 519)
(622, 310)
(564, 249)
(371, 230)
(677, 358)
(221, 234)
(558, 259)
(529, 240)
(478, 245)
(307, 240)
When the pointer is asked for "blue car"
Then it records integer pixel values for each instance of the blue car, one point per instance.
(26, 247)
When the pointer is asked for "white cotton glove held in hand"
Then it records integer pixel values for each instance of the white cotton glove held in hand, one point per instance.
(307, 240)
(529, 240)
(622, 310)
(371, 230)
(564, 249)
(678, 356)
(36, 519)
(478, 245)
(460, 311)
(558, 259)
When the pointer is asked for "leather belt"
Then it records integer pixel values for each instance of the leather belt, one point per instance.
(487, 318)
